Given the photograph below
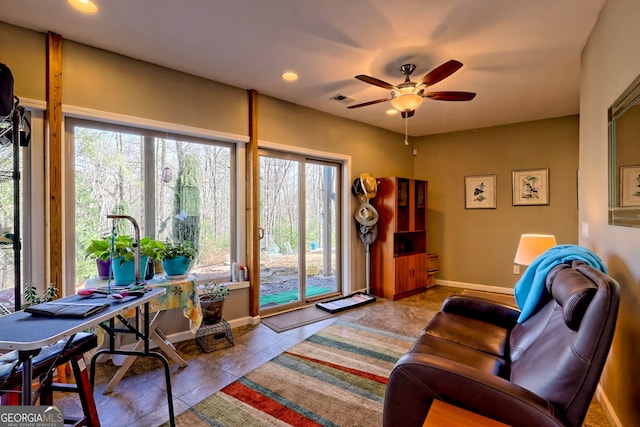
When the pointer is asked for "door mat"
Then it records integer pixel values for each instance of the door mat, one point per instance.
(345, 303)
(289, 296)
(296, 318)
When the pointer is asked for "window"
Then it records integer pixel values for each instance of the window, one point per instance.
(176, 187)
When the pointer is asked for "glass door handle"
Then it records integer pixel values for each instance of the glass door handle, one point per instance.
(260, 233)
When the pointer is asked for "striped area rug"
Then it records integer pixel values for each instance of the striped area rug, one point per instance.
(336, 377)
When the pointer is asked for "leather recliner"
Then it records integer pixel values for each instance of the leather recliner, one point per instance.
(542, 372)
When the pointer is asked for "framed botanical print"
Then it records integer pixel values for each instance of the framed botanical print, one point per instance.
(530, 187)
(630, 186)
(480, 192)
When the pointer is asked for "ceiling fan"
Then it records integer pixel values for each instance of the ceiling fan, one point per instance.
(408, 95)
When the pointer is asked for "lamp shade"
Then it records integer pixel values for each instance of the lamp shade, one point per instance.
(531, 246)
(406, 102)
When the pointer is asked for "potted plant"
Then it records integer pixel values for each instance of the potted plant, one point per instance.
(100, 250)
(177, 257)
(123, 261)
(212, 296)
(154, 249)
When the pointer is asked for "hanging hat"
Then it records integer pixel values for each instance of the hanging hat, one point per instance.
(366, 214)
(368, 233)
(356, 187)
(369, 185)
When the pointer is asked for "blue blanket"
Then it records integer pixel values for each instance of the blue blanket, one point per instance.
(531, 286)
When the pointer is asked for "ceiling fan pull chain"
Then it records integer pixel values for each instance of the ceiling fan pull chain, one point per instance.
(406, 131)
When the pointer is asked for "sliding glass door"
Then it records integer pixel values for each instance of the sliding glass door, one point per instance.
(299, 230)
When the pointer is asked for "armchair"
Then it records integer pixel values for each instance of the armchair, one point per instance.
(541, 372)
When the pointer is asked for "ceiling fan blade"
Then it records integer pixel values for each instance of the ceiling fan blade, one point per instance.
(450, 96)
(441, 72)
(364, 104)
(408, 113)
(374, 81)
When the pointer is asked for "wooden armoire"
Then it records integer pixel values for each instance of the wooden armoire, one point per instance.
(399, 254)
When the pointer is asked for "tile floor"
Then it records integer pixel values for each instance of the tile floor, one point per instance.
(140, 400)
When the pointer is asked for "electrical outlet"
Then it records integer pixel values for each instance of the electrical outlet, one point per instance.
(516, 269)
(585, 229)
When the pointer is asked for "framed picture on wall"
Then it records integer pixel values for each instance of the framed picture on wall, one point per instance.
(630, 186)
(530, 187)
(480, 192)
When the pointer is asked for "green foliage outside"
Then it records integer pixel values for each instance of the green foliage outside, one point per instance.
(110, 178)
(31, 296)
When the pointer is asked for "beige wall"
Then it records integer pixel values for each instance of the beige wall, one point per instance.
(24, 52)
(104, 81)
(374, 150)
(610, 62)
(477, 246)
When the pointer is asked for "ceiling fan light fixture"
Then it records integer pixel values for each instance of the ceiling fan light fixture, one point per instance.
(406, 102)
(408, 95)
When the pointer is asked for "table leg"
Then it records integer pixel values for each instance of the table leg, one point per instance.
(122, 370)
(164, 344)
(157, 336)
(25, 358)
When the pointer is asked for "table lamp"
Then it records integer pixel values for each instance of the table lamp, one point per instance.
(531, 246)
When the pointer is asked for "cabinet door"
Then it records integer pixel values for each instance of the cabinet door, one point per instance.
(404, 213)
(411, 273)
(411, 205)
(420, 206)
(420, 269)
(404, 272)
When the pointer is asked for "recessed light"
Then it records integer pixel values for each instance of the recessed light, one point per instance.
(86, 6)
(391, 111)
(289, 76)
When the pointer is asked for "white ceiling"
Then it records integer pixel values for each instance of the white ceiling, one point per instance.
(521, 57)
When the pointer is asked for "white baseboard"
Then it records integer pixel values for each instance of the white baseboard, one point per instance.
(475, 286)
(242, 321)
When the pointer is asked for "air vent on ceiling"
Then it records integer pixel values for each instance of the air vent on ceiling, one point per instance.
(342, 99)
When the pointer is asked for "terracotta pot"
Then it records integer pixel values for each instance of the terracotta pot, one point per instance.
(157, 266)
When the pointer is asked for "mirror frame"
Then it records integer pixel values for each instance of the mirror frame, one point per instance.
(624, 216)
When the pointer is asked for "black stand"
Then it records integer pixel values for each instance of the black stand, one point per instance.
(110, 328)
